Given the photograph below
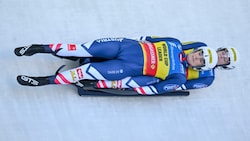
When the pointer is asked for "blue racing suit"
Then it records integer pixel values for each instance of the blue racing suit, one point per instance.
(149, 67)
(195, 79)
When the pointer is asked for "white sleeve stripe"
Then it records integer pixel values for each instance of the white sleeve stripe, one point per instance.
(88, 44)
(153, 89)
(143, 38)
(146, 90)
(183, 87)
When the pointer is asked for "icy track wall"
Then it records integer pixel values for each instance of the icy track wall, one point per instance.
(219, 112)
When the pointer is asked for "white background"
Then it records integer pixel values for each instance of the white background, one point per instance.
(56, 113)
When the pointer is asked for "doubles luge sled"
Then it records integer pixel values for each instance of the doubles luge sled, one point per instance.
(85, 88)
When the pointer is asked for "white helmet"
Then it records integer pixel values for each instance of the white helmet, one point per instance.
(233, 55)
(210, 58)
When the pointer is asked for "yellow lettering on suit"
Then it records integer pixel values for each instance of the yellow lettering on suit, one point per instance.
(156, 59)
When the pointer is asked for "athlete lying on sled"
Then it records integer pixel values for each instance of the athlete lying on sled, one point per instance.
(149, 66)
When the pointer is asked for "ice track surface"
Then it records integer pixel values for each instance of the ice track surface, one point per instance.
(56, 113)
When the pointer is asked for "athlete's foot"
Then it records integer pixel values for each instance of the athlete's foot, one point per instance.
(32, 81)
(29, 50)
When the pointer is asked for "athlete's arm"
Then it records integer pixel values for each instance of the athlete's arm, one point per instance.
(170, 84)
(197, 83)
(192, 45)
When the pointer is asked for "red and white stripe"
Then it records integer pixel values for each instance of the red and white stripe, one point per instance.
(140, 90)
(101, 84)
(60, 79)
(119, 84)
(76, 50)
(146, 90)
(55, 47)
(115, 84)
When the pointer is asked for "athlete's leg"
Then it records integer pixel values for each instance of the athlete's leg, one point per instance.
(128, 82)
(104, 48)
(108, 70)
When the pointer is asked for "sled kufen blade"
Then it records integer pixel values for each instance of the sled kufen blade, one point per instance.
(114, 92)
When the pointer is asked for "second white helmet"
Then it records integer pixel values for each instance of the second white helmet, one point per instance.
(233, 55)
